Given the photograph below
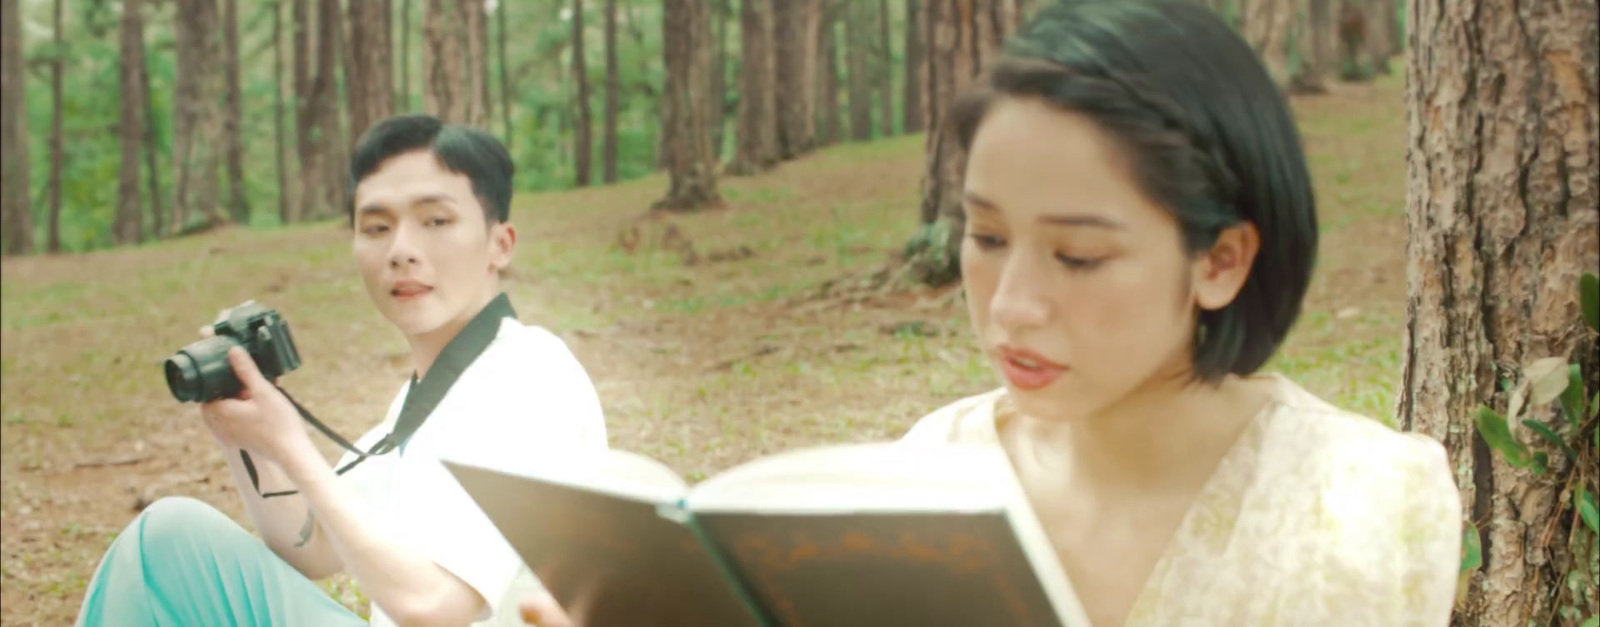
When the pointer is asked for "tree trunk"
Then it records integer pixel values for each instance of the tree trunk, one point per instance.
(330, 59)
(1265, 25)
(505, 76)
(445, 87)
(961, 36)
(233, 115)
(16, 206)
(368, 84)
(1379, 47)
(53, 239)
(1397, 31)
(914, 53)
(151, 161)
(1353, 50)
(795, 33)
(477, 54)
(830, 122)
(758, 130)
(1504, 201)
(885, 74)
(686, 43)
(719, 75)
(1318, 52)
(608, 148)
(405, 56)
(197, 123)
(585, 126)
(279, 157)
(858, 59)
(126, 228)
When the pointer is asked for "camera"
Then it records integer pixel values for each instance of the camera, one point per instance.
(200, 371)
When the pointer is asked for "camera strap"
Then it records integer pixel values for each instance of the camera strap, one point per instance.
(422, 396)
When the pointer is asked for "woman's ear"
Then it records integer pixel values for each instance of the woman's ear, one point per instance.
(1220, 272)
(502, 245)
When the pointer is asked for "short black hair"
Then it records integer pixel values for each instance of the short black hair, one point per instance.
(460, 149)
(1209, 135)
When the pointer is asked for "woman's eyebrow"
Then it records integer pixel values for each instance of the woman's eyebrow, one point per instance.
(1063, 219)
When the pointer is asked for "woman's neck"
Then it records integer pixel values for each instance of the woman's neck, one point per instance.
(1166, 436)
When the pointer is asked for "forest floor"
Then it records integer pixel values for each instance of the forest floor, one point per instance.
(701, 366)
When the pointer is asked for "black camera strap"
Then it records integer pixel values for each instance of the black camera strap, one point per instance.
(422, 396)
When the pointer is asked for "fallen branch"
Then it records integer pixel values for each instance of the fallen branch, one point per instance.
(121, 461)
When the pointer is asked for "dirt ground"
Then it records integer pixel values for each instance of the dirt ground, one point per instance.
(701, 365)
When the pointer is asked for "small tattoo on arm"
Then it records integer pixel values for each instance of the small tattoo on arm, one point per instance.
(307, 529)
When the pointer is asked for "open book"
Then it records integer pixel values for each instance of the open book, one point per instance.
(857, 534)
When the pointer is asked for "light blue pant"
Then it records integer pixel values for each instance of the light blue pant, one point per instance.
(181, 562)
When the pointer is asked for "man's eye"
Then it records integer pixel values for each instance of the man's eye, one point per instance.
(437, 222)
(987, 242)
(375, 229)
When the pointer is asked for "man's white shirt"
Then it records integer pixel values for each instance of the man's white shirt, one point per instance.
(524, 397)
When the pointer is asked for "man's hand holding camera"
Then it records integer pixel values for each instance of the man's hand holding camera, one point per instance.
(260, 420)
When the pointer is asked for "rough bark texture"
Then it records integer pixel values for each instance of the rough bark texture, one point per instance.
(445, 87)
(585, 122)
(686, 39)
(914, 53)
(858, 58)
(795, 30)
(757, 137)
(608, 148)
(962, 36)
(53, 236)
(1265, 25)
(367, 85)
(16, 208)
(126, 228)
(830, 125)
(196, 106)
(1504, 185)
(233, 115)
(279, 150)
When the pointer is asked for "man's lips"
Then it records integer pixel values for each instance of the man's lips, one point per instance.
(409, 290)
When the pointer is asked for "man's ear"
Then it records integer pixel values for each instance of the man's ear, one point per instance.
(1219, 273)
(502, 245)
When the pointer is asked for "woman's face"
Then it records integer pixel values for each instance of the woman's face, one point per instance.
(1078, 286)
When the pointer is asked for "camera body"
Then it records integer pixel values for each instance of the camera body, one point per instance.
(200, 371)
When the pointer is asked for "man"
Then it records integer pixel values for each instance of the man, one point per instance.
(431, 234)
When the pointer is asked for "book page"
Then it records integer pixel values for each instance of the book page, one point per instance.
(608, 546)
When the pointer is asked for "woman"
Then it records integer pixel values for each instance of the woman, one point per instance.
(1140, 231)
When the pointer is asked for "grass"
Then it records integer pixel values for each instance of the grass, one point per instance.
(701, 366)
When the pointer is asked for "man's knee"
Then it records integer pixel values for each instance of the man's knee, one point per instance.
(179, 523)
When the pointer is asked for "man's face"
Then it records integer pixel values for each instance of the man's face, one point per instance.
(426, 255)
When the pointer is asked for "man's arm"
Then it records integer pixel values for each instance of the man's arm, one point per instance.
(285, 523)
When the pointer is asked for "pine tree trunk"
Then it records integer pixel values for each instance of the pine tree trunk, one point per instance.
(758, 130)
(233, 115)
(16, 207)
(445, 89)
(608, 148)
(151, 161)
(57, 63)
(505, 77)
(1318, 52)
(885, 74)
(477, 55)
(1503, 205)
(719, 75)
(1379, 48)
(830, 122)
(306, 136)
(795, 35)
(330, 60)
(858, 59)
(686, 42)
(961, 36)
(405, 57)
(585, 126)
(1265, 25)
(912, 100)
(126, 228)
(197, 123)
(279, 150)
(368, 83)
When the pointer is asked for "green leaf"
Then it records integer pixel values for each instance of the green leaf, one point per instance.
(1471, 548)
(1551, 437)
(1589, 299)
(1588, 511)
(1593, 621)
(1541, 462)
(1495, 432)
(1572, 397)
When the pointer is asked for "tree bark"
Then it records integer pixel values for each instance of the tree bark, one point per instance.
(505, 76)
(757, 149)
(233, 115)
(197, 123)
(279, 150)
(884, 77)
(151, 162)
(445, 87)
(961, 36)
(127, 227)
(608, 147)
(368, 85)
(830, 122)
(1503, 205)
(405, 56)
(585, 123)
(16, 206)
(1379, 47)
(686, 40)
(333, 62)
(1265, 25)
(477, 56)
(795, 34)
(1318, 52)
(718, 74)
(912, 100)
(57, 62)
(858, 59)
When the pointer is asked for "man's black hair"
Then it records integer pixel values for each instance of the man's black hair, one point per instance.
(460, 149)
(1208, 134)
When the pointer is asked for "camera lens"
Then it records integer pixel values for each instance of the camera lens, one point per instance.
(200, 372)
(183, 378)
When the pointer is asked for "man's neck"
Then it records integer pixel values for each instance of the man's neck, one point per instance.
(426, 347)
(1166, 436)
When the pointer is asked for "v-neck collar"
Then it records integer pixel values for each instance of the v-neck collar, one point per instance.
(424, 394)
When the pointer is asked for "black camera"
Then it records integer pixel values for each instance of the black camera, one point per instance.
(200, 372)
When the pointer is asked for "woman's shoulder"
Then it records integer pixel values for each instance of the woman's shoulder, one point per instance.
(1345, 445)
(969, 420)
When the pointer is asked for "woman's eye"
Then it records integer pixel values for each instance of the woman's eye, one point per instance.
(987, 242)
(1078, 263)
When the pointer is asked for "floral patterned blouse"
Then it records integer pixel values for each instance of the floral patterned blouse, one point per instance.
(1315, 517)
